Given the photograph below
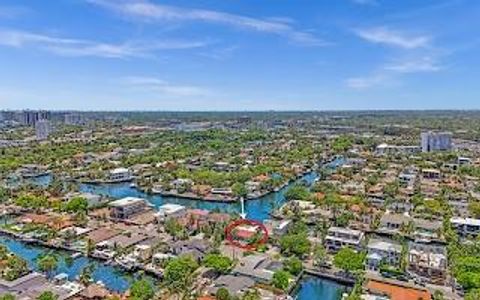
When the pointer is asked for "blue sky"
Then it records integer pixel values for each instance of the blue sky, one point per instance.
(239, 54)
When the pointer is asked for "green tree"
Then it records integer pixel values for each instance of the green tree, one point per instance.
(222, 294)
(319, 254)
(141, 290)
(438, 295)
(47, 296)
(219, 263)
(239, 190)
(48, 263)
(281, 279)
(178, 273)
(348, 260)
(251, 295)
(76, 205)
(474, 208)
(293, 265)
(473, 295)
(297, 192)
(7, 297)
(86, 275)
(297, 244)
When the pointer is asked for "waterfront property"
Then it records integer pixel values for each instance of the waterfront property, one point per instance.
(119, 175)
(128, 207)
(466, 226)
(338, 238)
(382, 251)
(428, 262)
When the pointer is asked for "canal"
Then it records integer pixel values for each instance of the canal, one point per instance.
(117, 280)
(257, 209)
(112, 277)
(312, 288)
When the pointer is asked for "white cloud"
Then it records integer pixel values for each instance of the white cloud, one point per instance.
(424, 64)
(386, 36)
(159, 86)
(77, 47)
(367, 82)
(147, 11)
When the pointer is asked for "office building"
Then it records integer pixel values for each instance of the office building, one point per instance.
(31, 117)
(436, 141)
(42, 129)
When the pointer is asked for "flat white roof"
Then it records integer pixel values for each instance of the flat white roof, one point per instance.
(345, 230)
(384, 245)
(119, 170)
(170, 208)
(465, 221)
(126, 201)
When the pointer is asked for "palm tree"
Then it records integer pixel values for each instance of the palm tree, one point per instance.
(48, 263)
(86, 274)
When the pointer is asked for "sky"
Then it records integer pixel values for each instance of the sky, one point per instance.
(249, 55)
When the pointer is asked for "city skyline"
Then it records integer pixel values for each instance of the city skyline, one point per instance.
(239, 56)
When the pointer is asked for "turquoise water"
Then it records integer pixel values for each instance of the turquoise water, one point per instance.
(312, 288)
(256, 209)
(113, 278)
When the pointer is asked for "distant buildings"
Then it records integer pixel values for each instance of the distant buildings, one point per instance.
(43, 129)
(385, 149)
(31, 117)
(436, 141)
(73, 119)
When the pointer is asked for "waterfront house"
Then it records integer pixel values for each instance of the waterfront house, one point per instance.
(428, 262)
(338, 237)
(276, 227)
(197, 248)
(119, 175)
(170, 210)
(226, 192)
(236, 285)
(259, 267)
(427, 229)
(125, 208)
(394, 223)
(55, 221)
(93, 200)
(182, 184)
(93, 292)
(142, 252)
(30, 286)
(383, 251)
(466, 227)
(32, 170)
(102, 234)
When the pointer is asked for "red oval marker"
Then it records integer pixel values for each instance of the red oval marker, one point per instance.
(249, 246)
